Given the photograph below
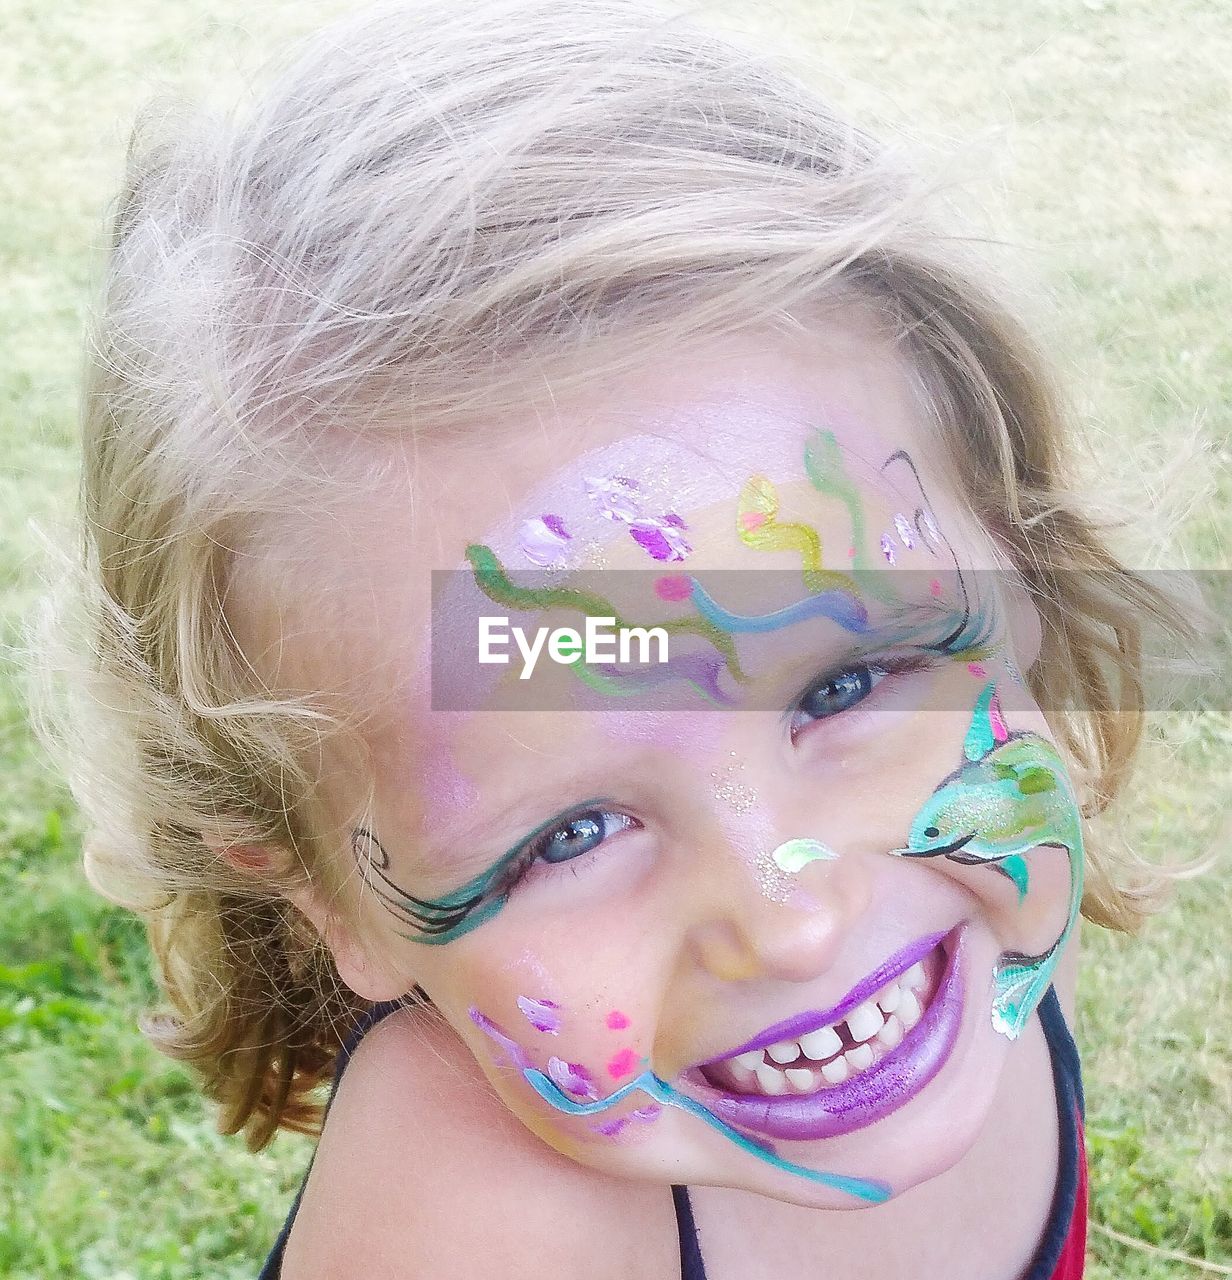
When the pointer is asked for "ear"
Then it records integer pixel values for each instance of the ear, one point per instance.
(369, 979)
(358, 963)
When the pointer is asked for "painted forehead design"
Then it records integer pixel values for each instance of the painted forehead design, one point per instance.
(682, 604)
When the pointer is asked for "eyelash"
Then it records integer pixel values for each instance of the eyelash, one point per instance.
(532, 852)
(974, 632)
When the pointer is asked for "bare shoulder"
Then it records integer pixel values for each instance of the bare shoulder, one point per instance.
(421, 1171)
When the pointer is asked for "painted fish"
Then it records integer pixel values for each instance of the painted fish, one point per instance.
(1011, 795)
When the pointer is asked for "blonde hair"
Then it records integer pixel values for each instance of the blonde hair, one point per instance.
(433, 205)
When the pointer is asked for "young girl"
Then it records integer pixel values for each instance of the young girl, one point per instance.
(654, 916)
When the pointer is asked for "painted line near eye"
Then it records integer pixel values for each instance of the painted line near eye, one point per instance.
(867, 1189)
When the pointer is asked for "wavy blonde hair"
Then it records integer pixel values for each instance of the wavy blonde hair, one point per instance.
(433, 203)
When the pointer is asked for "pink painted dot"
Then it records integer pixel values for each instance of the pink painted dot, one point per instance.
(621, 1063)
(1000, 730)
(851, 553)
(617, 1021)
(673, 587)
(977, 669)
(935, 587)
(751, 520)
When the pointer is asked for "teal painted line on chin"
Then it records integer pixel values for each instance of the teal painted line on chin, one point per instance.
(866, 1189)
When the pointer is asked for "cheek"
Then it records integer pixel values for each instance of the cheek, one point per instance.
(570, 1031)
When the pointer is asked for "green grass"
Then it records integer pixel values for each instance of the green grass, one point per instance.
(1099, 149)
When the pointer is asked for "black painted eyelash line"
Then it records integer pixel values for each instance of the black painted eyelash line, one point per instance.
(432, 918)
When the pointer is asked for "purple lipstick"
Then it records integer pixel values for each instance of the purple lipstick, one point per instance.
(872, 1093)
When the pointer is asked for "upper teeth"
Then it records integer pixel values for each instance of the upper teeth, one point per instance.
(876, 1026)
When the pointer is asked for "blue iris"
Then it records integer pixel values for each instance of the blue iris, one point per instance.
(837, 693)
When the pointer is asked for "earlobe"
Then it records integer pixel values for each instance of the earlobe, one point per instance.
(356, 968)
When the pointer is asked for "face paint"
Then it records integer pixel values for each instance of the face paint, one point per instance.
(866, 1189)
(621, 1064)
(554, 1086)
(494, 582)
(438, 921)
(738, 796)
(662, 539)
(545, 541)
(928, 531)
(621, 500)
(833, 595)
(794, 855)
(572, 1078)
(543, 1015)
(1011, 796)
(758, 526)
(617, 497)
(902, 527)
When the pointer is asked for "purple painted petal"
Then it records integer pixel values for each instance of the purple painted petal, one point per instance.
(572, 1077)
(543, 1015)
(663, 539)
(545, 540)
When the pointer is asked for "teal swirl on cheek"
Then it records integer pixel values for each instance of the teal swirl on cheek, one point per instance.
(870, 1190)
(1010, 797)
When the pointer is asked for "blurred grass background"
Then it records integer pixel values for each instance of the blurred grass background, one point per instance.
(1099, 132)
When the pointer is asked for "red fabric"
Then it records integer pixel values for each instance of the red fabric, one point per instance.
(1072, 1261)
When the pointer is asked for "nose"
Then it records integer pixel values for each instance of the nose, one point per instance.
(751, 920)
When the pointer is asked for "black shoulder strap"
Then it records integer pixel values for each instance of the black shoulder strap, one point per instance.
(691, 1265)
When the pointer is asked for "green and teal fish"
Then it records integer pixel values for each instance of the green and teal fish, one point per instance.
(1011, 795)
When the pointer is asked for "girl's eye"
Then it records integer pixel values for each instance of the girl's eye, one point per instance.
(835, 694)
(580, 834)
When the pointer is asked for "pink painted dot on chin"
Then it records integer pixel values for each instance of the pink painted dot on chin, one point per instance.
(617, 1021)
(620, 1064)
(935, 587)
(673, 587)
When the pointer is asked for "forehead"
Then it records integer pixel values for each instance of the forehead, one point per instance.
(345, 594)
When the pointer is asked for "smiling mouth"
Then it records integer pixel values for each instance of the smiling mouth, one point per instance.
(808, 1078)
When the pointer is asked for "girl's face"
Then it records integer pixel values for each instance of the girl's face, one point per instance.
(768, 915)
